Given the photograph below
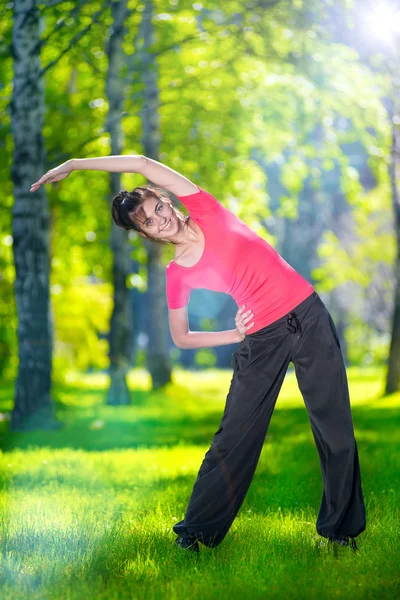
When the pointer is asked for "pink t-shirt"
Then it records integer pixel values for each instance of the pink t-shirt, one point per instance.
(238, 262)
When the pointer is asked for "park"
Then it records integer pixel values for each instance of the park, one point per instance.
(200, 299)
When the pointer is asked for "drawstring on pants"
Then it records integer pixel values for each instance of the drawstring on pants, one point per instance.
(293, 328)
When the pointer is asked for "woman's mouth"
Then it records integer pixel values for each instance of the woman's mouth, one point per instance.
(168, 226)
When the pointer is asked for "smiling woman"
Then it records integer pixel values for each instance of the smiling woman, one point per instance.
(281, 320)
(151, 213)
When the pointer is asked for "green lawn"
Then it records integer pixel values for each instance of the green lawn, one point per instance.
(87, 511)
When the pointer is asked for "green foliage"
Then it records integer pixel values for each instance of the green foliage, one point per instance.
(82, 313)
(266, 87)
(8, 316)
(364, 262)
(366, 346)
(140, 358)
(205, 358)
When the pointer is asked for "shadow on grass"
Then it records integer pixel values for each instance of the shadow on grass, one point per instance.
(170, 417)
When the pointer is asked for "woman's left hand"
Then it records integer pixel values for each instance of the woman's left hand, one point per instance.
(241, 320)
(60, 172)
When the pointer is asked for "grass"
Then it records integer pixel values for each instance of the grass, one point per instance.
(87, 511)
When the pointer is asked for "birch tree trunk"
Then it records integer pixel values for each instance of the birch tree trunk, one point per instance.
(33, 405)
(158, 361)
(393, 373)
(121, 324)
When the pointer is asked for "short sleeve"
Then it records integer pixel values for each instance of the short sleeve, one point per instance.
(200, 202)
(177, 291)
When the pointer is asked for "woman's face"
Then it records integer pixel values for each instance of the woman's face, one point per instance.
(158, 219)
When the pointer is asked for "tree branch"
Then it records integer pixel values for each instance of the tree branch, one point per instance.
(51, 4)
(230, 21)
(32, 81)
(75, 11)
(74, 40)
(74, 153)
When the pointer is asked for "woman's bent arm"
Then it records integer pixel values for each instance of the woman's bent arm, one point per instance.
(207, 339)
(126, 163)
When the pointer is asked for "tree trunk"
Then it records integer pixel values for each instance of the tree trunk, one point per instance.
(33, 407)
(393, 373)
(158, 361)
(120, 326)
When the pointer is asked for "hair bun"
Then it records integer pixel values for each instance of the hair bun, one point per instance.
(122, 195)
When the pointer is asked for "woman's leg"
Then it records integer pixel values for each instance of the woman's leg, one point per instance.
(228, 466)
(322, 379)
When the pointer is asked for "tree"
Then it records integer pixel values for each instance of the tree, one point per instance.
(33, 405)
(120, 325)
(144, 65)
(393, 372)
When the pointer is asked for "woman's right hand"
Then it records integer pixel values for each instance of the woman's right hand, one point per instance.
(241, 319)
(60, 172)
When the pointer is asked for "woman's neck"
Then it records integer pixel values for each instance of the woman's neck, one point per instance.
(189, 239)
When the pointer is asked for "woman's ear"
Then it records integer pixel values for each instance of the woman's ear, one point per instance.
(142, 234)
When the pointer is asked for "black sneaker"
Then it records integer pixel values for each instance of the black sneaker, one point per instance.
(344, 540)
(188, 542)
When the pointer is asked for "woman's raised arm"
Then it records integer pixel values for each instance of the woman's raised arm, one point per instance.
(151, 169)
(114, 164)
(167, 178)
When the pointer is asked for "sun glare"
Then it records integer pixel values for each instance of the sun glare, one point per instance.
(383, 21)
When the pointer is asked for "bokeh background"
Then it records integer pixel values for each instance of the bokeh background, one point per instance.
(288, 112)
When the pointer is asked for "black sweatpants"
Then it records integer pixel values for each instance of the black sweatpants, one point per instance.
(306, 336)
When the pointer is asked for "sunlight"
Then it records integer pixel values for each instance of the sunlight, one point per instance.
(383, 21)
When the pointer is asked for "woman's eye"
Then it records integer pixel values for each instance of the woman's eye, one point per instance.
(158, 208)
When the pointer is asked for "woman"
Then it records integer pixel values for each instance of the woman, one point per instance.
(215, 250)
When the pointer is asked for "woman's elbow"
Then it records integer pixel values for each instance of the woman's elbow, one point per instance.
(180, 343)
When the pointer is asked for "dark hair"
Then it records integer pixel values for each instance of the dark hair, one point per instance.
(132, 202)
